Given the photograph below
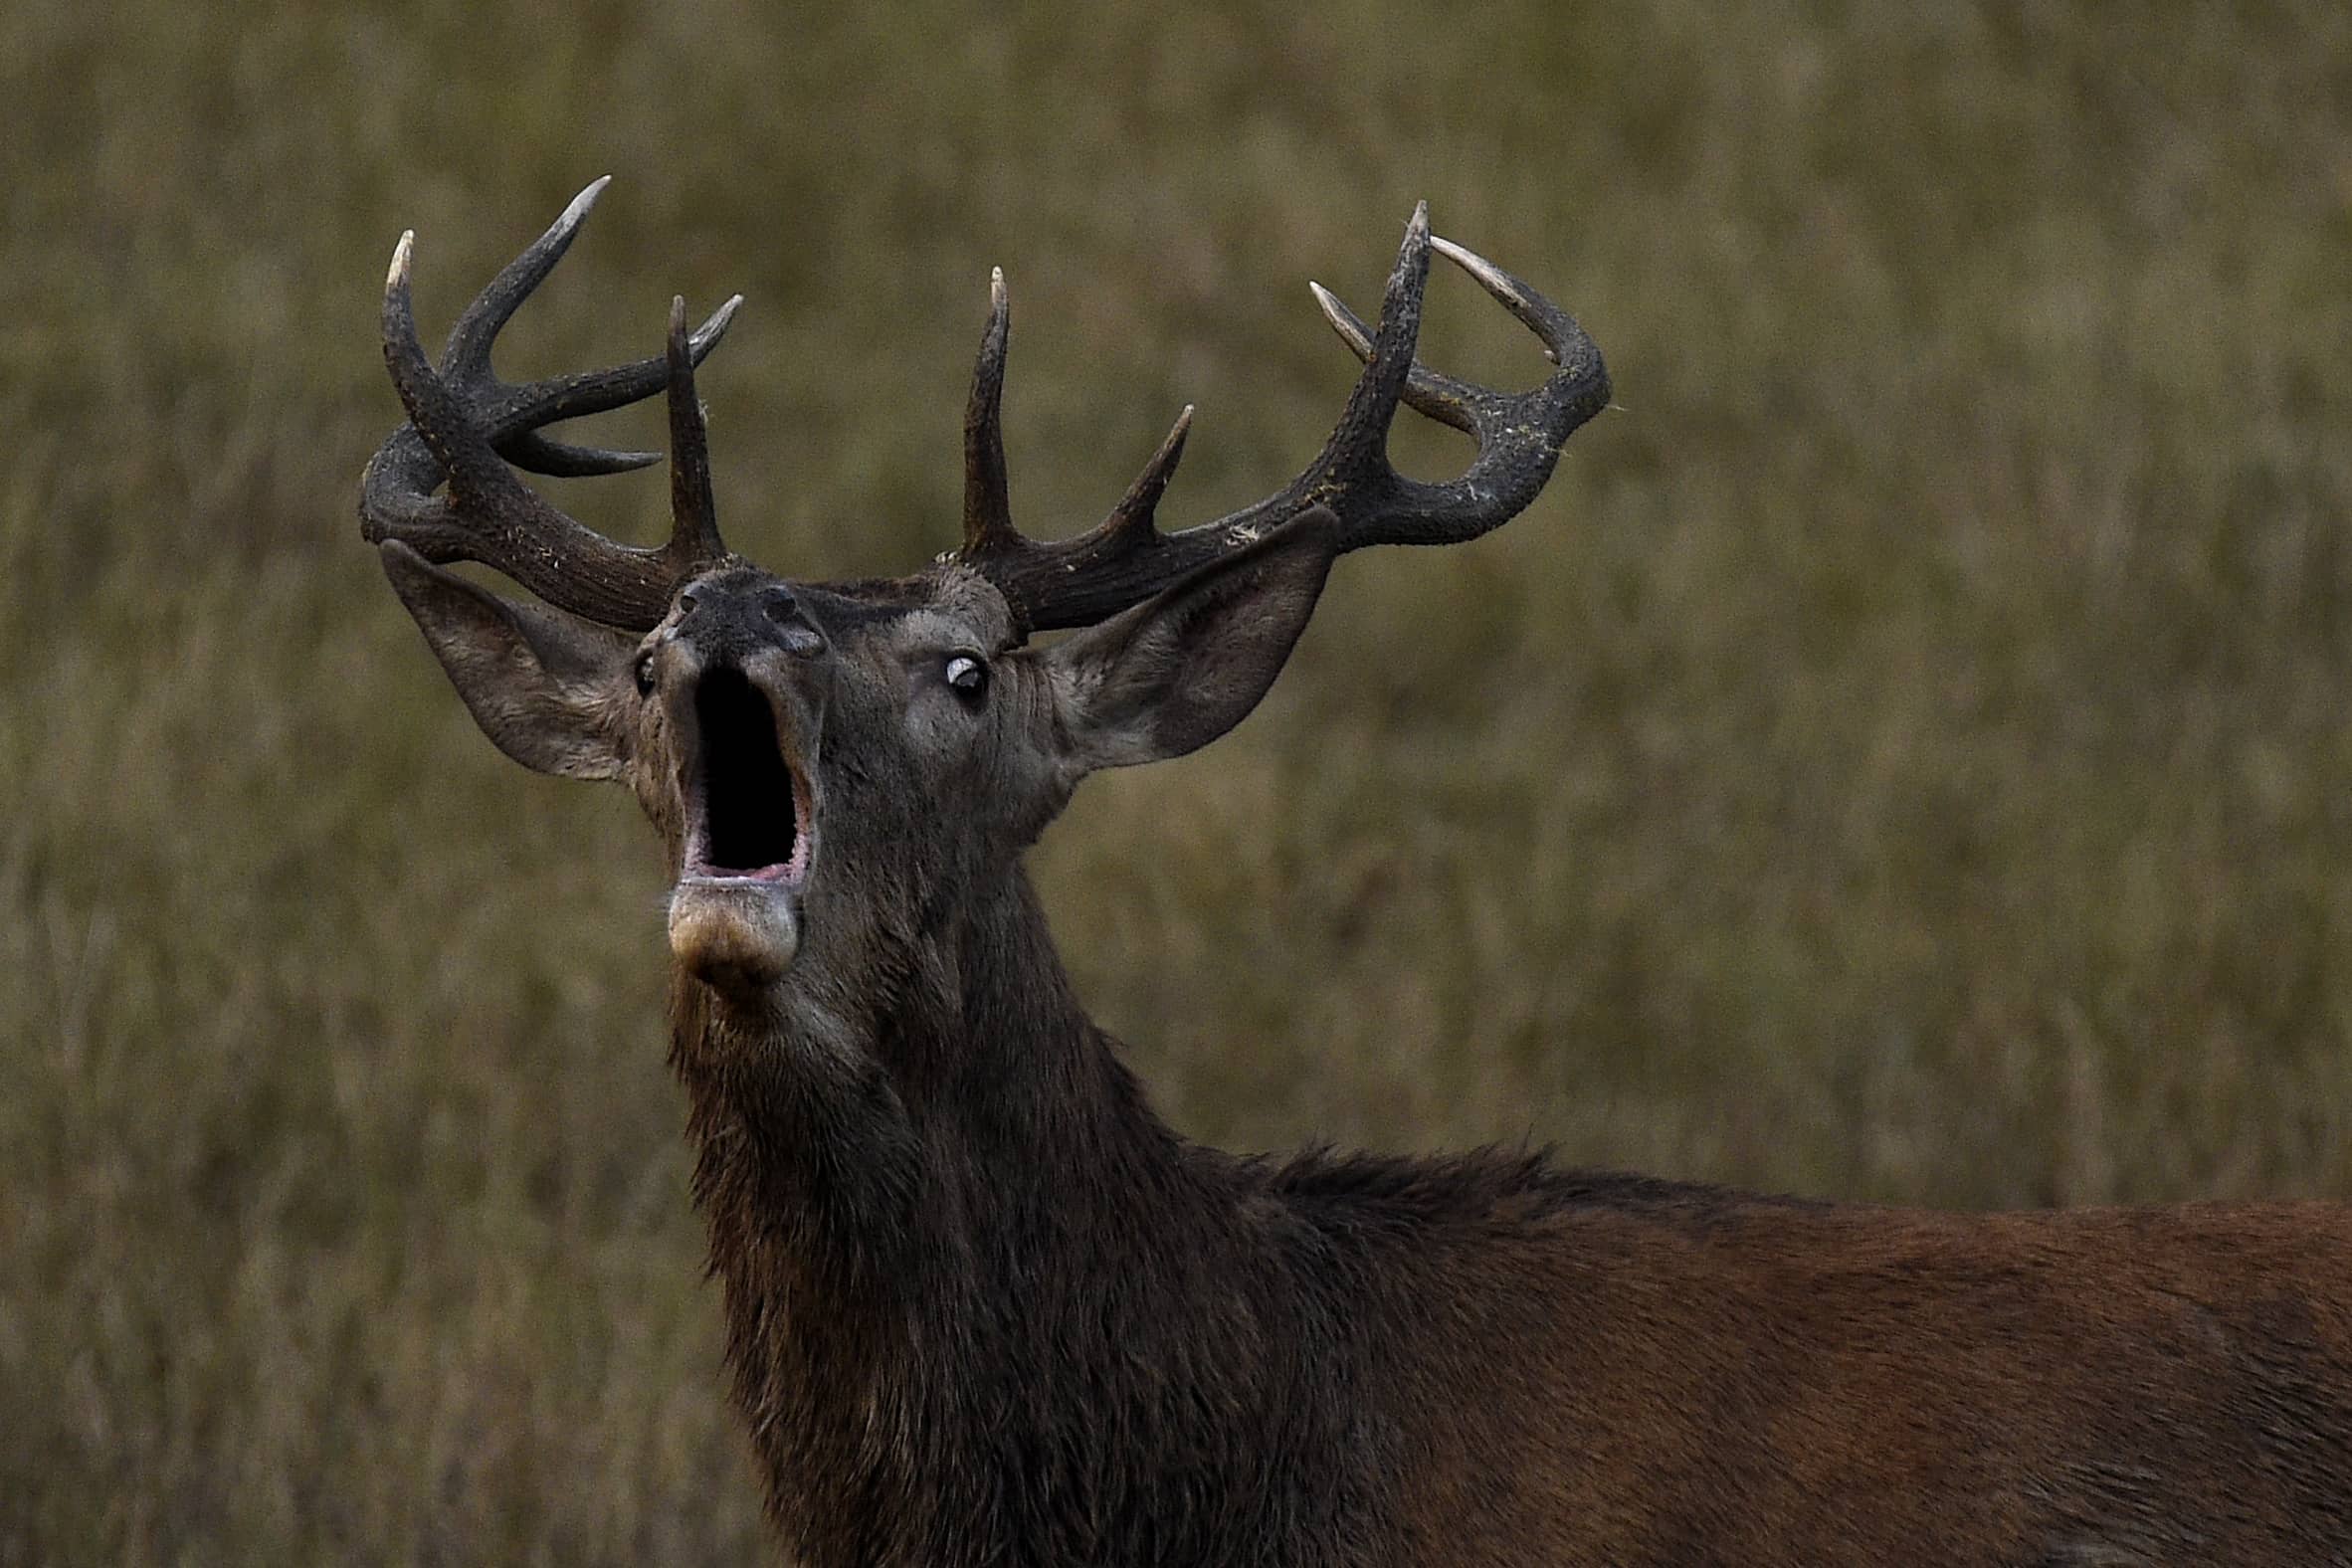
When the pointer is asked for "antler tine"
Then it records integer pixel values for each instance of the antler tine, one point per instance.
(466, 425)
(694, 512)
(580, 393)
(988, 510)
(1357, 450)
(467, 352)
(1077, 581)
(1132, 517)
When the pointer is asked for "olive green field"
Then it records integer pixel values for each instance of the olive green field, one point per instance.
(1905, 756)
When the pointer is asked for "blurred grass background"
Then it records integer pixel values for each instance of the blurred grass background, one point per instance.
(1903, 757)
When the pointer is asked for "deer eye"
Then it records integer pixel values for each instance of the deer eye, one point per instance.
(967, 676)
(642, 672)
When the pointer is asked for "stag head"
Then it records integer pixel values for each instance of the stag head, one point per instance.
(834, 765)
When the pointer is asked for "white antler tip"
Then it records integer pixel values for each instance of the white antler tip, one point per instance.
(396, 276)
(1467, 259)
(585, 200)
(1351, 332)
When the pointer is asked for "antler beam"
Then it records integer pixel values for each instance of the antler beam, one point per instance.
(1125, 560)
(466, 427)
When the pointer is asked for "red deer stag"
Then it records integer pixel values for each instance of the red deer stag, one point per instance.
(983, 1307)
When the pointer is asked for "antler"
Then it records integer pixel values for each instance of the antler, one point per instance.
(466, 425)
(1125, 558)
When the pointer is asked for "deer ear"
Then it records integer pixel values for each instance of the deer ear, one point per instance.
(1182, 667)
(540, 683)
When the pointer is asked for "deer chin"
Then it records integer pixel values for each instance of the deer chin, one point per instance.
(736, 935)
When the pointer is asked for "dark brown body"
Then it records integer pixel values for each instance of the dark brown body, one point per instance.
(1725, 1380)
(1046, 1329)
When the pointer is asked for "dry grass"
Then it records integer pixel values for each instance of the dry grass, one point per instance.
(1904, 757)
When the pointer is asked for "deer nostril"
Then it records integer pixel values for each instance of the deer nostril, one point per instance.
(782, 608)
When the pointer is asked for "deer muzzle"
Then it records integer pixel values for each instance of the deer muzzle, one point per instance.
(748, 806)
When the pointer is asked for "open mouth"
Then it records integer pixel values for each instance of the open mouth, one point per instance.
(748, 806)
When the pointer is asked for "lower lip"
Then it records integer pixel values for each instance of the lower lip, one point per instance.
(766, 875)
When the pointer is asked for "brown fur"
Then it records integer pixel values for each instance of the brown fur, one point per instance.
(1018, 1319)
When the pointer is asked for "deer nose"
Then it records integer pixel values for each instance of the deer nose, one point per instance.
(727, 622)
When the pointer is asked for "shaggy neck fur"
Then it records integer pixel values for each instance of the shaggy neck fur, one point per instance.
(982, 1304)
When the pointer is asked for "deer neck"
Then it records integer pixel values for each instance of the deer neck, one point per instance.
(965, 1045)
(891, 1181)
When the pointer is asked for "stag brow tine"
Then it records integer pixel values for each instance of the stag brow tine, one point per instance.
(468, 350)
